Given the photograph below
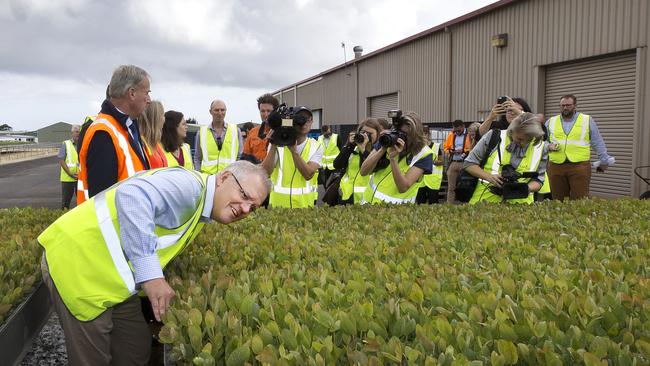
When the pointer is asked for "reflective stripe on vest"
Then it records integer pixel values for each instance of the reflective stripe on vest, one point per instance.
(128, 162)
(71, 161)
(529, 163)
(290, 189)
(214, 159)
(573, 147)
(385, 189)
(86, 258)
(352, 182)
(330, 152)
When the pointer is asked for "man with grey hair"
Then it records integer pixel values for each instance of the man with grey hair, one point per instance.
(69, 162)
(96, 259)
(217, 144)
(112, 150)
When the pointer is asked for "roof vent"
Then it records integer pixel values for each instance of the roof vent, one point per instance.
(358, 50)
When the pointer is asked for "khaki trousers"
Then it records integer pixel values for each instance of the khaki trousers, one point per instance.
(569, 180)
(452, 176)
(119, 336)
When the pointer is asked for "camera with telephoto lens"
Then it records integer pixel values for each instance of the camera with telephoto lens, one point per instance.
(285, 122)
(512, 189)
(390, 139)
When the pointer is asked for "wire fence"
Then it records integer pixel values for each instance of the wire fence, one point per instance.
(13, 153)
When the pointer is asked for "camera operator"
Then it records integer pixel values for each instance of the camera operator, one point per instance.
(352, 155)
(408, 158)
(521, 147)
(294, 168)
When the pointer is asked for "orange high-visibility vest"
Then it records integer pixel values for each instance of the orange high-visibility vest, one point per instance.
(128, 161)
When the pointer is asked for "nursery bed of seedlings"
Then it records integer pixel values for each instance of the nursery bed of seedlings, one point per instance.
(547, 284)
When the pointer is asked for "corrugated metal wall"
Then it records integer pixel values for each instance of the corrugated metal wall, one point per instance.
(419, 71)
(605, 90)
(289, 97)
(311, 95)
(340, 95)
(540, 32)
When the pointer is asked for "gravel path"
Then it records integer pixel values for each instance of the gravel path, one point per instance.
(49, 347)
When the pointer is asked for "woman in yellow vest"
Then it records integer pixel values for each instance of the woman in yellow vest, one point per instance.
(150, 124)
(352, 155)
(395, 171)
(174, 132)
(521, 147)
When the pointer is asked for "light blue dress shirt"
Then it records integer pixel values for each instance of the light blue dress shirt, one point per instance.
(168, 199)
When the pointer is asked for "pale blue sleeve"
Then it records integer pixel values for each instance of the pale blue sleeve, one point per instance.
(597, 142)
(168, 199)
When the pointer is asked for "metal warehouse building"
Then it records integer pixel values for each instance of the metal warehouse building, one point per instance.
(534, 49)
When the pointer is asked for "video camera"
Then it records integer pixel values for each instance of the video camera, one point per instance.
(285, 122)
(390, 139)
(512, 189)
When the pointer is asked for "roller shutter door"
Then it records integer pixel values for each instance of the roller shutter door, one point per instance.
(605, 90)
(379, 106)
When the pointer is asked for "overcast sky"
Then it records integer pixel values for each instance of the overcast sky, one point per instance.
(57, 56)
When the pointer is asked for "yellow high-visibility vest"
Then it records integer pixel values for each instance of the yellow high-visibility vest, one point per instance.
(575, 146)
(85, 255)
(330, 152)
(434, 180)
(353, 182)
(529, 163)
(71, 161)
(214, 159)
(290, 188)
(187, 157)
(382, 188)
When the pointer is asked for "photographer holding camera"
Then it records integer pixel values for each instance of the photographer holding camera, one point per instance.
(352, 155)
(515, 168)
(293, 158)
(397, 162)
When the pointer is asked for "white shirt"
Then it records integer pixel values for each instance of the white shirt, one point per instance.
(316, 158)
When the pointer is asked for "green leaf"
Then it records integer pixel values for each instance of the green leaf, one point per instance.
(508, 350)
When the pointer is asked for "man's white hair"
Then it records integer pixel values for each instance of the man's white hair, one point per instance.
(243, 169)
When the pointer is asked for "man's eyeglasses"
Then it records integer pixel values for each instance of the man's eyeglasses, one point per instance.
(244, 195)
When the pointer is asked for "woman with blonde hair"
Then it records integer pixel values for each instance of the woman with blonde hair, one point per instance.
(522, 149)
(352, 155)
(397, 162)
(150, 124)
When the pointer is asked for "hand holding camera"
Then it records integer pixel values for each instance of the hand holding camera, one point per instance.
(395, 150)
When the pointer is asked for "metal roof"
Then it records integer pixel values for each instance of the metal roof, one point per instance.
(441, 27)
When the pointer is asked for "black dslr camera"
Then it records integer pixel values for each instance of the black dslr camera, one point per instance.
(359, 137)
(512, 189)
(285, 121)
(390, 139)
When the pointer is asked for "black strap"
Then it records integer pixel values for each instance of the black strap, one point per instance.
(495, 139)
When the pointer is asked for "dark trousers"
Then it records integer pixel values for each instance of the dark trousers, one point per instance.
(427, 195)
(68, 190)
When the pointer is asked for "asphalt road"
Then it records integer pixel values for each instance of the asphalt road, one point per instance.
(32, 183)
